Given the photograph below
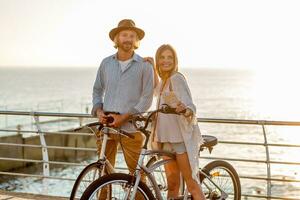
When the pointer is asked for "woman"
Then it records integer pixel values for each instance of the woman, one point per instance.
(177, 133)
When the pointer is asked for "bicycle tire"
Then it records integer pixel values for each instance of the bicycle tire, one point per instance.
(214, 169)
(91, 192)
(80, 185)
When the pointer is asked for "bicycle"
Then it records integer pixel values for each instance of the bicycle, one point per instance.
(102, 166)
(125, 186)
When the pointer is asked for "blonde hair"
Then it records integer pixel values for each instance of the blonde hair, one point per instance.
(159, 51)
(135, 45)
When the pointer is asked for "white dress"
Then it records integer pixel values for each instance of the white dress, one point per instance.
(188, 129)
(167, 129)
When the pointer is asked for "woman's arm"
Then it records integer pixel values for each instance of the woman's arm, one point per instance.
(151, 61)
(183, 93)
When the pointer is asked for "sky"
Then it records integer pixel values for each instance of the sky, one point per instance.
(255, 34)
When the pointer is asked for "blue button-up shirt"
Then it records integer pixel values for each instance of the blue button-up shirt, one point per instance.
(130, 91)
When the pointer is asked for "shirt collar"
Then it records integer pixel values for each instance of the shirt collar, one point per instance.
(135, 57)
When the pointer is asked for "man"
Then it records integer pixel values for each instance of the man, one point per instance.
(124, 84)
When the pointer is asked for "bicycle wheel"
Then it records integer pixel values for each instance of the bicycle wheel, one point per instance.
(161, 179)
(118, 185)
(85, 178)
(225, 177)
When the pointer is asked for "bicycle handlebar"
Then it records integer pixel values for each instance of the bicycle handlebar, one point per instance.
(166, 109)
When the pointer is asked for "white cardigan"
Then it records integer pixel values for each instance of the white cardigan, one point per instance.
(189, 128)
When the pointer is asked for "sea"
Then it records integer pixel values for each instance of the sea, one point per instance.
(217, 93)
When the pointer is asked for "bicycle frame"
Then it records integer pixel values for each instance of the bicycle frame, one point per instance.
(149, 171)
(102, 158)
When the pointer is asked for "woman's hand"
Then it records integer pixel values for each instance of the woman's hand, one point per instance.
(150, 60)
(180, 107)
(188, 113)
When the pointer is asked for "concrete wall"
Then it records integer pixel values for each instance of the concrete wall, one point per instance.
(11, 152)
(36, 153)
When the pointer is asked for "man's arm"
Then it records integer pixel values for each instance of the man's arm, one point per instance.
(98, 91)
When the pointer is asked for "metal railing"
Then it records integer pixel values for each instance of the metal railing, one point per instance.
(46, 162)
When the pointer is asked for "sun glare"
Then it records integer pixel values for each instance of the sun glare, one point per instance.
(276, 94)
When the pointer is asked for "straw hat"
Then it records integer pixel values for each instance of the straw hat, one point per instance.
(126, 24)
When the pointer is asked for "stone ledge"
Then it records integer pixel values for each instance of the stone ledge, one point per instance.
(5, 195)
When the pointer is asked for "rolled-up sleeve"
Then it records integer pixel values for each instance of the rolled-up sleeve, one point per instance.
(182, 90)
(147, 91)
(98, 91)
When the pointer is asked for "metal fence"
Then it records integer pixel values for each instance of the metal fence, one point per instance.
(46, 162)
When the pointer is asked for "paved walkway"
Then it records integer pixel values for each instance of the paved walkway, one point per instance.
(4, 195)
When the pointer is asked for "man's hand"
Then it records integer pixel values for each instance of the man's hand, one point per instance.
(119, 120)
(101, 116)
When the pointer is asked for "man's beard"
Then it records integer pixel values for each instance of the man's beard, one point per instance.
(126, 46)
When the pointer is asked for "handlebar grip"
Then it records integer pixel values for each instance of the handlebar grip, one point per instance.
(169, 110)
(110, 120)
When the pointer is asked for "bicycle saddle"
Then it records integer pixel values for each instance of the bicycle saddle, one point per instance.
(209, 142)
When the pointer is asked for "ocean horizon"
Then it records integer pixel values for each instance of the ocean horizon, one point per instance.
(217, 93)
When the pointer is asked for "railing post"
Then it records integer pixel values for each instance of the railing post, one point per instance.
(44, 154)
(6, 119)
(269, 190)
(86, 109)
(19, 129)
(80, 121)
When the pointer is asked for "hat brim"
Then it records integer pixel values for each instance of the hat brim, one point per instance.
(115, 31)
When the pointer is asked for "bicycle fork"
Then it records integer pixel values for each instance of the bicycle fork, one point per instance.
(137, 176)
